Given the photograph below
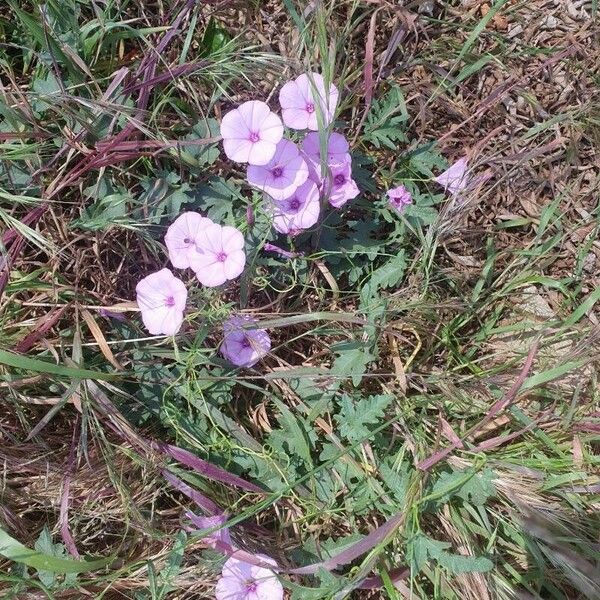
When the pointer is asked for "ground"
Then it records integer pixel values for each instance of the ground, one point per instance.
(426, 424)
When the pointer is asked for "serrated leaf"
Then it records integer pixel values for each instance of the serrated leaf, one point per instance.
(352, 361)
(457, 563)
(423, 548)
(294, 433)
(386, 120)
(357, 414)
(475, 489)
(397, 481)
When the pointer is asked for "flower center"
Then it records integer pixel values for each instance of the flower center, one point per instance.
(221, 256)
(246, 342)
(310, 107)
(254, 136)
(186, 241)
(295, 204)
(277, 172)
(169, 301)
(251, 586)
(339, 179)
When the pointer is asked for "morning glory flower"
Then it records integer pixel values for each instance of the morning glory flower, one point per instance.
(455, 179)
(299, 211)
(161, 297)
(343, 187)
(251, 132)
(299, 99)
(399, 198)
(182, 236)
(218, 535)
(243, 581)
(283, 174)
(244, 347)
(219, 255)
(337, 149)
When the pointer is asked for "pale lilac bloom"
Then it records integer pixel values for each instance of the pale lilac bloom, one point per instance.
(268, 247)
(400, 198)
(299, 211)
(343, 187)
(218, 535)
(455, 179)
(251, 132)
(299, 100)
(337, 149)
(161, 298)
(219, 255)
(283, 174)
(109, 314)
(182, 236)
(244, 347)
(243, 581)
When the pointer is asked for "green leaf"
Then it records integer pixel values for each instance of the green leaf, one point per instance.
(386, 120)
(396, 480)
(352, 360)
(11, 359)
(473, 487)
(42, 561)
(104, 213)
(457, 563)
(205, 154)
(47, 88)
(357, 414)
(294, 433)
(215, 38)
(423, 548)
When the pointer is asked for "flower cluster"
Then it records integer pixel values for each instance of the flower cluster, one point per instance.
(296, 181)
(293, 179)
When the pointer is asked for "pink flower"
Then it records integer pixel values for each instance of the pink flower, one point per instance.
(217, 521)
(400, 198)
(268, 247)
(250, 133)
(182, 236)
(455, 179)
(282, 175)
(337, 149)
(243, 581)
(219, 255)
(161, 298)
(301, 98)
(244, 347)
(343, 187)
(299, 211)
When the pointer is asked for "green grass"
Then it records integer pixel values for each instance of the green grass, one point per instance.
(393, 337)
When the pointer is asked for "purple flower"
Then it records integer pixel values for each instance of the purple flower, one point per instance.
(268, 247)
(219, 255)
(181, 237)
(244, 347)
(299, 211)
(250, 133)
(243, 581)
(299, 100)
(337, 149)
(400, 198)
(455, 179)
(109, 314)
(343, 187)
(282, 175)
(161, 298)
(219, 535)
